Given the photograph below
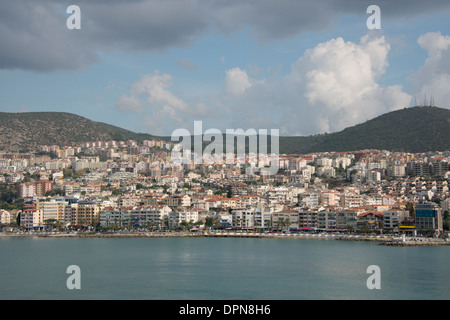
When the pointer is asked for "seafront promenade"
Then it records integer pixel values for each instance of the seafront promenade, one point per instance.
(380, 239)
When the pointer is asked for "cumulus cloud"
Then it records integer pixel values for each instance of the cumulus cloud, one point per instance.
(433, 78)
(236, 81)
(129, 103)
(332, 86)
(151, 97)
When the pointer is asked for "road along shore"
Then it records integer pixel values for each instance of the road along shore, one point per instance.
(382, 240)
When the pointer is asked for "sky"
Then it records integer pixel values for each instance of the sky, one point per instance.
(154, 66)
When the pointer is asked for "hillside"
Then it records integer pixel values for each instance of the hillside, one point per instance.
(416, 129)
(25, 131)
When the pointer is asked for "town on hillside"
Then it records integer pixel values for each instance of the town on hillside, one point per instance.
(126, 186)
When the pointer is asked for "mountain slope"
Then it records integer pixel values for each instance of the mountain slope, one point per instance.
(25, 131)
(416, 129)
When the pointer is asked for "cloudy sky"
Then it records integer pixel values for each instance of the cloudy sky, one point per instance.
(303, 67)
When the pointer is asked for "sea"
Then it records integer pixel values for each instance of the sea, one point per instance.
(219, 269)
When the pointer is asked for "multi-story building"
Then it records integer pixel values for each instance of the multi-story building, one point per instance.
(351, 200)
(52, 210)
(84, 213)
(177, 217)
(27, 190)
(439, 167)
(326, 219)
(429, 217)
(307, 219)
(346, 219)
(116, 216)
(42, 187)
(392, 219)
(257, 217)
(146, 216)
(329, 198)
(178, 200)
(369, 221)
(32, 219)
(285, 219)
(418, 168)
(244, 218)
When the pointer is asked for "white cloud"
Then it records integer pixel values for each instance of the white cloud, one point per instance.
(236, 81)
(151, 97)
(433, 78)
(129, 103)
(332, 86)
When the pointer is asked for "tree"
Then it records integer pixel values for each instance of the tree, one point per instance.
(209, 222)
(410, 207)
(446, 221)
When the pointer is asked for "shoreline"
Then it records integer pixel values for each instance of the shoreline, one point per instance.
(382, 240)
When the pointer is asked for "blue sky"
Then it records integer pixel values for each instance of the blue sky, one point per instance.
(284, 64)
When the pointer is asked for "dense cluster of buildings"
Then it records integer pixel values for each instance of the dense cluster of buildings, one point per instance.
(130, 185)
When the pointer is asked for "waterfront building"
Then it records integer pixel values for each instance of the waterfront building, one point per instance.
(393, 218)
(32, 219)
(307, 219)
(116, 216)
(146, 216)
(177, 217)
(285, 219)
(429, 217)
(326, 219)
(52, 210)
(369, 221)
(84, 213)
(346, 219)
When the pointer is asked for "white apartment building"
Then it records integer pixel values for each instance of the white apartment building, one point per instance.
(146, 215)
(32, 219)
(177, 217)
(119, 216)
(259, 217)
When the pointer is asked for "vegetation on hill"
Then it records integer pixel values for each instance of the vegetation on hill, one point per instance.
(25, 131)
(414, 129)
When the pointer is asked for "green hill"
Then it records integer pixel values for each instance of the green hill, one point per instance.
(25, 131)
(415, 129)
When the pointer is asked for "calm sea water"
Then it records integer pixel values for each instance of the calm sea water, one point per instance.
(219, 268)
